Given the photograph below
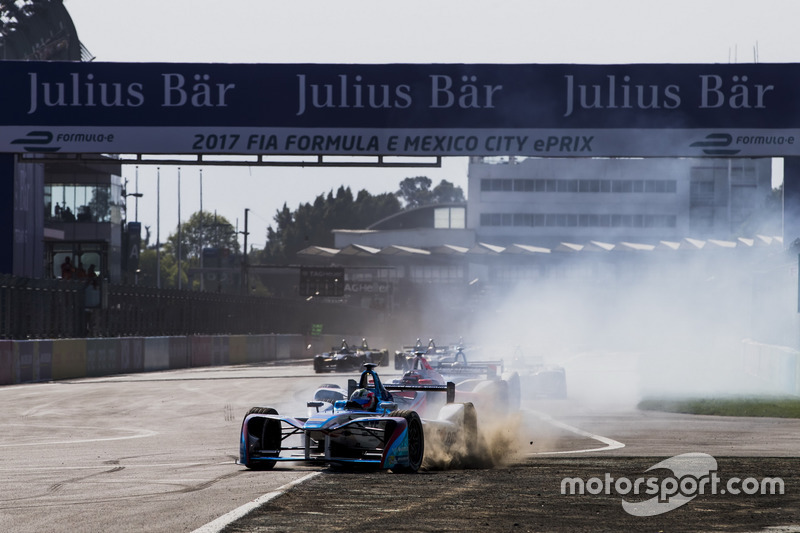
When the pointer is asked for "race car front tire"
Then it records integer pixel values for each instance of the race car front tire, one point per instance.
(270, 437)
(318, 366)
(416, 442)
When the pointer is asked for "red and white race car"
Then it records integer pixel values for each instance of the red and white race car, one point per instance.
(482, 383)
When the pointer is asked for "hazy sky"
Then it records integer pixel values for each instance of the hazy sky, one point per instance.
(411, 31)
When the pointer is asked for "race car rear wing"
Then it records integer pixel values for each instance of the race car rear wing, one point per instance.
(489, 368)
(449, 388)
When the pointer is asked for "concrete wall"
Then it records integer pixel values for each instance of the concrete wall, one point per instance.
(30, 361)
(777, 366)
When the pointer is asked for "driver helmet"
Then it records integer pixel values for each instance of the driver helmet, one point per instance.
(411, 377)
(365, 398)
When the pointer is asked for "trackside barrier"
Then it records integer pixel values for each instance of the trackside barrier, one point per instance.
(179, 352)
(102, 357)
(156, 353)
(237, 350)
(778, 366)
(283, 348)
(6, 362)
(131, 354)
(27, 361)
(45, 361)
(69, 359)
(24, 357)
(220, 354)
(260, 348)
(201, 351)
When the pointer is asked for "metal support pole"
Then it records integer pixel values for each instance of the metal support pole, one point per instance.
(245, 283)
(158, 227)
(180, 238)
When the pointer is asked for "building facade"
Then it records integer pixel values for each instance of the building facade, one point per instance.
(545, 202)
(83, 218)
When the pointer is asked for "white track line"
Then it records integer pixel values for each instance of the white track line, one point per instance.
(137, 434)
(610, 444)
(225, 520)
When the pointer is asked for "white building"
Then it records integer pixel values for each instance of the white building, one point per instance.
(545, 202)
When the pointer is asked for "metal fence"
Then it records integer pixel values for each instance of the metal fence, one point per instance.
(38, 308)
(41, 308)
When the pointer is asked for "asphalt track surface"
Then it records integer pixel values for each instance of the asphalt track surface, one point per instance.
(156, 452)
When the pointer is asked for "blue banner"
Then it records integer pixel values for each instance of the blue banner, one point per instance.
(402, 109)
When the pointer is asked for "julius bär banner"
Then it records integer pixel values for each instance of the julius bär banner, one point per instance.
(401, 109)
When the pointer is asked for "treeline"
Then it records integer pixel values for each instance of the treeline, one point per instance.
(311, 224)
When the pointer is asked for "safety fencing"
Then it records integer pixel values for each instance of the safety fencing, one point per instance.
(53, 309)
(44, 308)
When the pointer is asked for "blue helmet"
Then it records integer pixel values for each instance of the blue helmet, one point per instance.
(365, 398)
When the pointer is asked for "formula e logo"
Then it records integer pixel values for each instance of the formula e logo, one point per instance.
(716, 144)
(37, 141)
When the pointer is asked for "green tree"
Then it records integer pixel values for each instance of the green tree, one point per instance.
(417, 192)
(311, 223)
(148, 262)
(202, 230)
(447, 192)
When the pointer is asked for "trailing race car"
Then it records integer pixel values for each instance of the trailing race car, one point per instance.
(369, 428)
(540, 380)
(483, 383)
(327, 395)
(346, 358)
(404, 359)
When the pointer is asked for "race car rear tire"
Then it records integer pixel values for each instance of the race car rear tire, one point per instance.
(416, 442)
(470, 432)
(270, 437)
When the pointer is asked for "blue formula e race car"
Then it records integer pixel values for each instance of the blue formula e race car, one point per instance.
(366, 429)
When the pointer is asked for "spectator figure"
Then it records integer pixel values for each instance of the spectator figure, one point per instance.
(80, 272)
(68, 215)
(67, 269)
(92, 275)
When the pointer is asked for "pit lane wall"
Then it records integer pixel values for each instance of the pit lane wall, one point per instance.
(777, 366)
(27, 361)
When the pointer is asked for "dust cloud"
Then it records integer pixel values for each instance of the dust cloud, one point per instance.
(671, 323)
(501, 441)
(629, 324)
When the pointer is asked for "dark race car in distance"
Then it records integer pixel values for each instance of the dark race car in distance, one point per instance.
(346, 358)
